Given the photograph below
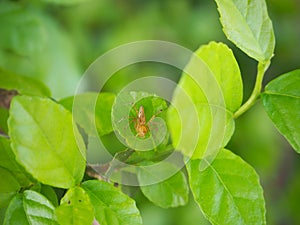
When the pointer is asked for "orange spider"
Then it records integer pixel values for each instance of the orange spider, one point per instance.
(140, 125)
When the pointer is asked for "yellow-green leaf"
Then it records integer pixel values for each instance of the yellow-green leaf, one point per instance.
(75, 208)
(247, 24)
(228, 190)
(46, 142)
(281, 100)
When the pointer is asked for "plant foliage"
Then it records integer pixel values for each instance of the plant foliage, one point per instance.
(45, 176)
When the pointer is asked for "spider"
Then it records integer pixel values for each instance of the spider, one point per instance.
(141, 126)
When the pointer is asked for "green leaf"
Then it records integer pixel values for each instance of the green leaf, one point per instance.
(281, 100)
(125, 114)
(172, 192)
(30, 208)
(248, 26)
(3, 120)
(222, 66)
(45, 141)
(2, 215)
(38, 208)
(228, 191)
(15, 213)
(75, 208)
(8, 161)
(65, 2)
(111, 205)
(130, 156)
(91, 110)
(50, 194)
(28, 35)
(221, 61)
(9, 187)
(35, 187)
(24, 85)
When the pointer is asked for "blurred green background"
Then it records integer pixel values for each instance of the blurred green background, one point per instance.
(56, 40)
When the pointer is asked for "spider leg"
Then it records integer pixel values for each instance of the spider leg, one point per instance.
(135, 109)
(125, 117)
(156, 114)
(130, 117)
(153, 125)
(130, 122)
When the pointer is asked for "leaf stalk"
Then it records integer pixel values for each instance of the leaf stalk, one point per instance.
(261, 69)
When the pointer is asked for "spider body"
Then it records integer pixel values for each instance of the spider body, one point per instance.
(140, 123)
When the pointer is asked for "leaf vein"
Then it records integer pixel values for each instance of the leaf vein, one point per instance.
(225, 187)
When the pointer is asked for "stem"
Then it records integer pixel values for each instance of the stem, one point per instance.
(261, 68)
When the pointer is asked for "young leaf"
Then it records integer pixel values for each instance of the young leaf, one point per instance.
(8, 161)
(111, 205)
(222, 66)
(45, 141)
(228, 191)
(75, 208)
(23, 85)
(30, 208)
(281, 100)
(91, 110)
(246, 23)
(172, 192)
(221, 61)
(9, 187)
